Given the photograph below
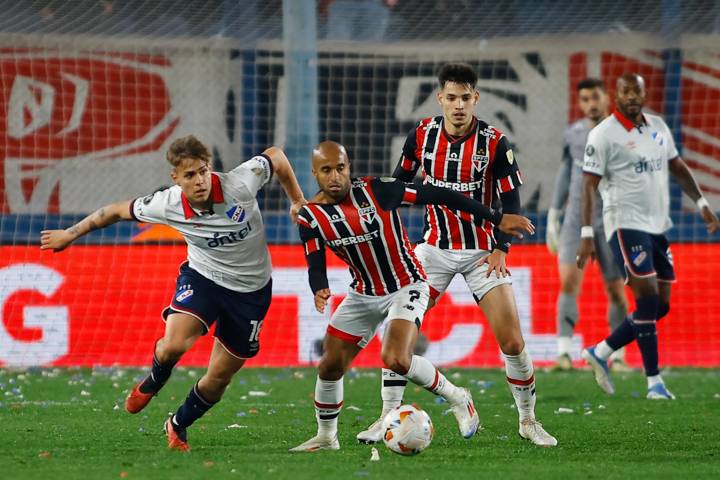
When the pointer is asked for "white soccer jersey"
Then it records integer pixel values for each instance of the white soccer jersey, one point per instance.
(227, 244)
(633, 163)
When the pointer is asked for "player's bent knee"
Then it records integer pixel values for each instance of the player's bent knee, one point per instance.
(170, 351)
(569, 287)
(330, 370)
(647, 308)
(512, 347)
(398, 363)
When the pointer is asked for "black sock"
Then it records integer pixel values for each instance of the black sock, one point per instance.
(194, 407)
(158, 376)
(646, 332)
(622, 335)
(646, 336)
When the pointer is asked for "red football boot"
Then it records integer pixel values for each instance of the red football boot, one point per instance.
(136, 400)
(177, 438)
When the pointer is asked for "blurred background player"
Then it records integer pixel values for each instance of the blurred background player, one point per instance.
(225, 279)
(357, 219)
(628, 157)
(564, 241)
(458, 151)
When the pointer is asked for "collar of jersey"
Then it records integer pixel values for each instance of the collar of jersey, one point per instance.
(215, 193)
(626, 122)
(452, 139)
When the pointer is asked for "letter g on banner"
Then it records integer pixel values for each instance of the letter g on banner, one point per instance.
(53, 321)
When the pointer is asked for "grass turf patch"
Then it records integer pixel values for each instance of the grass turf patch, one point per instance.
(70, 423)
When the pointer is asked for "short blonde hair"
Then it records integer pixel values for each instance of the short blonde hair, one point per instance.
(187, 147)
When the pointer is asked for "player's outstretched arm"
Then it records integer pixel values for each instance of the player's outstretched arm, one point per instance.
(509, 223)
(286, 176)
(687, 182)
(58, 240)
(315, 257)
(587, 206)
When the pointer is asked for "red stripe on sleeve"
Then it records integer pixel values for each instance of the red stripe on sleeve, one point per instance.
(312, 246)
(406, 163)
(301, 221)
(505, 185)
(410, 196)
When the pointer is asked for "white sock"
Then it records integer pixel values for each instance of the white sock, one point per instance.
(618, 354)
(564, 345)
(423, 373)
(654, 380)
(521, 380)
(328, 402)
(392, 388)
(603, 350)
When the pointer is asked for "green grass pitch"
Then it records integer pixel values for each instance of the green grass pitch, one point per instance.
(70, 423)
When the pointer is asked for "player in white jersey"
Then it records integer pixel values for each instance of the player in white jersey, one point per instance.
(564, 241)
(627, 158)
(225, 279)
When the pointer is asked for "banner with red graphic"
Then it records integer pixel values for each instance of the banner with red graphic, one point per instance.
(101, 306)
(82, 124)
(86, 123)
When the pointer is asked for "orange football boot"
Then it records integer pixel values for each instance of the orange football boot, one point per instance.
(136, 400)
(177, 439)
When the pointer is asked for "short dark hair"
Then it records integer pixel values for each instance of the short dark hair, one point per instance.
(462, 73)
(591, 83)
(187, 147)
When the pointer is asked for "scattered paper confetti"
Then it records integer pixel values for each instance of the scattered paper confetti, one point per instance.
(258, 393)
(374, 455)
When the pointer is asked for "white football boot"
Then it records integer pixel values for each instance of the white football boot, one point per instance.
(532, 430)
(601, 370)
(659, 392)
(465, 414)
(318, 442)
(374, 432)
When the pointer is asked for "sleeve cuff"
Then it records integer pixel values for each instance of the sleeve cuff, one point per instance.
(270, 164)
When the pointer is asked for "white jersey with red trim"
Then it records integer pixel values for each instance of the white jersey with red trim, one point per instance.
(480, 165)
(226, 244)
(366, 232)
(633, 163)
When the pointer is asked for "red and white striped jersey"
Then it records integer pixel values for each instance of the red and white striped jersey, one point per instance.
(479, 164)
(366, 232)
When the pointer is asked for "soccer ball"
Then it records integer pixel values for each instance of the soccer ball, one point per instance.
(408, 430)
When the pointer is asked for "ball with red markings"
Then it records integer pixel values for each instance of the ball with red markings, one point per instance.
(408, 430)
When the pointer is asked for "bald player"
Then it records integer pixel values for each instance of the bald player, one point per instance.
(627, 158)
(357, 219)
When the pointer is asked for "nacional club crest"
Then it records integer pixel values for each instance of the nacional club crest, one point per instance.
(366, 212)
(236, 214)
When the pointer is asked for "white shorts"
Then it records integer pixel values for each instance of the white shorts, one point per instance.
(442, 265)
(358, 316)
